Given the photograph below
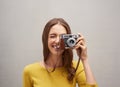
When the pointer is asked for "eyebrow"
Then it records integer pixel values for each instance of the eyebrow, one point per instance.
(52, 34)
(56, 34)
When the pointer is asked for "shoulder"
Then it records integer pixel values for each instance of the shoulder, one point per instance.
(31, 67)
(76, 62)
(80, 67)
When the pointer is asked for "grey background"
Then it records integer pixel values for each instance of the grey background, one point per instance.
(22, 23)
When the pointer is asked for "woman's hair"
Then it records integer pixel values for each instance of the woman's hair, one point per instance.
(67, 55)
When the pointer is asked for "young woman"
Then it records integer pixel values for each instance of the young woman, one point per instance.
(58, 69)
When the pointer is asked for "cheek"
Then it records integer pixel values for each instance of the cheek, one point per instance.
(50, 41)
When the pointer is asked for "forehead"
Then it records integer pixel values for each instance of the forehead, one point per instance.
(58, 29)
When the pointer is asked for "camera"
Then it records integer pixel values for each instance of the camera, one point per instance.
(69, 40)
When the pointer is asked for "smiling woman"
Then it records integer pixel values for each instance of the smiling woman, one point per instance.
(54, 39)
(58, 61)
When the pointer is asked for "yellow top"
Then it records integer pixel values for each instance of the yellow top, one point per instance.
(35, 75)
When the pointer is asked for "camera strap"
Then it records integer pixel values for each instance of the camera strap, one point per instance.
(77, 64)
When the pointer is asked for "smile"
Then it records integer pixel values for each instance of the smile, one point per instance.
(56, 46)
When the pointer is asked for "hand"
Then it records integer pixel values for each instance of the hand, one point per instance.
(81, 48)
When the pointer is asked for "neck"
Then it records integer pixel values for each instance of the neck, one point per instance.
(54, 60)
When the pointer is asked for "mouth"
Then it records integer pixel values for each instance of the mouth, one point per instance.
(57, 47)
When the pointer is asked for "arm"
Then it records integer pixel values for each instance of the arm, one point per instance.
(26, 78)
(88, 73)
(81, 49)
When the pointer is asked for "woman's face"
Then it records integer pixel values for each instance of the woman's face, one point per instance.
(54, 39)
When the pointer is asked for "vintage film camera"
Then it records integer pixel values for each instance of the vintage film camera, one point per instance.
(69, 40)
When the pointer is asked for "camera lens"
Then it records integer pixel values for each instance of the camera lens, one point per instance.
(71, 42)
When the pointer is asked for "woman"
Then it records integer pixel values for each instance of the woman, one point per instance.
(58, 69)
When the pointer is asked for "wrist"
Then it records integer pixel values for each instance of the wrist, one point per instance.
(84, 61)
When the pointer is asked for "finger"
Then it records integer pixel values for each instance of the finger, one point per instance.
(80, 34)
(79, 39)
(81, 44)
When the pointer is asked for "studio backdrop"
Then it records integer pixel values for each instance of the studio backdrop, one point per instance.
(22, 23)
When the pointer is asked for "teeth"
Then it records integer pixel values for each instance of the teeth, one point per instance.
(57, 47)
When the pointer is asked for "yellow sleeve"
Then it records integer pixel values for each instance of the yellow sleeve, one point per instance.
(81, 78)
(26, 78)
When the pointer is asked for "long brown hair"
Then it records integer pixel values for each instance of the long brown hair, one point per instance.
(67, 54)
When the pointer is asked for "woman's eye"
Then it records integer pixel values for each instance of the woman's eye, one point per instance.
(52, 36)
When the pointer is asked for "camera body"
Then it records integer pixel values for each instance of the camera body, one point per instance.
(69, 40)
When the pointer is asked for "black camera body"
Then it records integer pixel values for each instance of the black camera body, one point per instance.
(69, 40)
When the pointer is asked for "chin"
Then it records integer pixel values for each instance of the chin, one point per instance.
(56, 52)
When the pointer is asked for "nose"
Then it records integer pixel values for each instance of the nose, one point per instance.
(57, 40)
